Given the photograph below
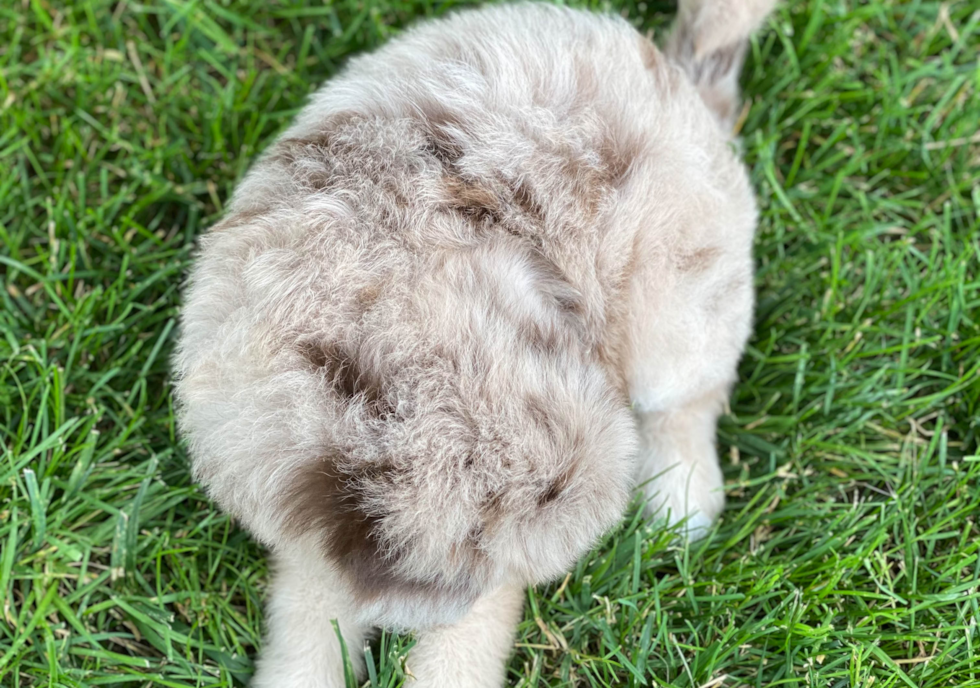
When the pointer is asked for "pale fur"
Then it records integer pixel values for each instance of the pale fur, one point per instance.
(495, 273)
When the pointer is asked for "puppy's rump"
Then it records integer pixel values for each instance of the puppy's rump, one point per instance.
(373, 363)
(446, 438)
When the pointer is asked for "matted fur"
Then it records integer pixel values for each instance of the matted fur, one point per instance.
(489, 267)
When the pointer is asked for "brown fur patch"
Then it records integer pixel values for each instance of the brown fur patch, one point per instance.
(538, 412)
(587, 181)
(291, 149)
(368, 296)
(526, 202)
(555, 488)
(491, 513)
(471, 199)
(617, 156)
(349, 380)
(436, 123)
(320, 499)
(444, 150)
(312, 159)
(541, 337)
(465, 196)
(324, 138)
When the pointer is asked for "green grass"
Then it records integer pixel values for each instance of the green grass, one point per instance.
(849, 553)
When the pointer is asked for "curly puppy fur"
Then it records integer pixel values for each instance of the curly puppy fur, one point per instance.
(494, 274)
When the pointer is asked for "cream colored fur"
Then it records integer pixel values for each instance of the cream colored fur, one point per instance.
(495, 274)
(473, 651)
(302, 647)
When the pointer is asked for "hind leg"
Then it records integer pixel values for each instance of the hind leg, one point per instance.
(301, 648)
(473, 652)
(678, 464)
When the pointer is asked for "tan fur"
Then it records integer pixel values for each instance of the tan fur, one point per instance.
(494, 273)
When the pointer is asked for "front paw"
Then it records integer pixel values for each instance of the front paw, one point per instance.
(690, 496)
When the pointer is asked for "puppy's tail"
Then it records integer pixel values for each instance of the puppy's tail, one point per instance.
(709, 40)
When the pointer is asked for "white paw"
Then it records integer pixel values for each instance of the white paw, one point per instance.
(692, 496)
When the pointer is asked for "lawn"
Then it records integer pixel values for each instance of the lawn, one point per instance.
(849, 553)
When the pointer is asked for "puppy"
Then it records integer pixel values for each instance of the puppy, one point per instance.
(494, 275)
